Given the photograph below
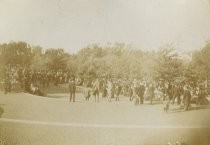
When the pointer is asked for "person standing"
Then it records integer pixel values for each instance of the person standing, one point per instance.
(109, 90)
(151, 91)
(130, 92)
(135, 92)
(187, 98)
(141, 93)
(201, 96)
(87, 92)
(170, 91)
(7, 85)
(104, 89)
(96, 86)
(176, 94)
(118, 91)
(72, 89)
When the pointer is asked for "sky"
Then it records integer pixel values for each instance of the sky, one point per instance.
(74, 24)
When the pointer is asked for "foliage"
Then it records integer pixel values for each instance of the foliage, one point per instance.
(15, 53)
(168, 66)
(201, 62)
(114, 60)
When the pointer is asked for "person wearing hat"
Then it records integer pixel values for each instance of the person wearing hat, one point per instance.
(141, 93)
(87, 92)
(187, 97)
(177, 94)
(135, 92)
(130, 92)
(7, 85)
(118, 91)
(104, 89)
(72, 89)
(201, 96)
(96, 86)
(109, 90)
(151, 92)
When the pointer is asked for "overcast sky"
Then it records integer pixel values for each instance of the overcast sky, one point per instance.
(73, 24)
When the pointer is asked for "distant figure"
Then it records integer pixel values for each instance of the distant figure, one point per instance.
(187, 98)
(87, 93)
(33, 88)
(168, 97)
(104, 90)
(96, 87)
(141, 93)
(130, 92)
(177, 94)
(151, 91)
(135, 92)
(169, 91)
(109, 90)
(201, 100)
(7, 85)
(72, 89)
(118, 91)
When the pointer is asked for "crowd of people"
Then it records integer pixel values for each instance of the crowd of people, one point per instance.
(181, 93)
(30, 80)
(137, 90)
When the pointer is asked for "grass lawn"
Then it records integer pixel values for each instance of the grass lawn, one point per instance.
(51, 121)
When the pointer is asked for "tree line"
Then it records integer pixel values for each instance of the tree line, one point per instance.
(113, 60)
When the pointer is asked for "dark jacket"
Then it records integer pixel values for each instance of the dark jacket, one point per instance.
(72, 86)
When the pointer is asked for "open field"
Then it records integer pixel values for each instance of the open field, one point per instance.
(27, 119)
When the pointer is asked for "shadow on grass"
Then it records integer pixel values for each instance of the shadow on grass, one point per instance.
(53, 95)
(60, 88)
(55, 90)
(155, 102)
(200, 107)
(181, 109)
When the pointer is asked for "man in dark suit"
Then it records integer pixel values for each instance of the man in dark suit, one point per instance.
(7, 85)
(72, 89)
(151, 92)
(118, 91)
(187, 98)
(141, 93)
(177, 94)
(96, 88)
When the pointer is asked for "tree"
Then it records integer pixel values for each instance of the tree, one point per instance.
(38, 60)
(168, 65)
(56, 59)
(15, 53)
(201, 62)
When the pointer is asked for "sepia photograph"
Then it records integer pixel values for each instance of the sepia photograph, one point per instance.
(104, 72)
